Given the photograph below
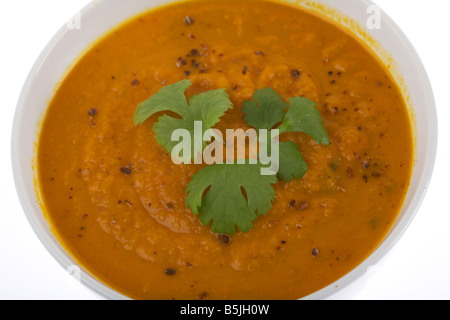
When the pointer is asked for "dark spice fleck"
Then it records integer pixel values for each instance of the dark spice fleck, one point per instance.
(188, 264)
(125, 170)
(92, 112)
(315, 252)
(330, 73)
(365, 178)
(349, 172)
(332, 81)
(188, 20)
(303, 206)
(365, 164)
(201, 69)
(259, 53)
(187, 73)
(135, 82)
(169, 206)
(283, 242)
(203, 295)
(170, 271)
(244, 72)
(295, 73)
(333, 165)
(377, 174)
(224, 239)
(292, 203)
(194, 52)
(181, 62)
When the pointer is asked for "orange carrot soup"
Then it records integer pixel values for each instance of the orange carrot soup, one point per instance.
(152, 228)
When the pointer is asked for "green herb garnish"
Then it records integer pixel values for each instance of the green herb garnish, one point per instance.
(267, 109)
(231, 196)
(207, 107)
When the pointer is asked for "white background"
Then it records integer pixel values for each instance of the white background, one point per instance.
(417, 268)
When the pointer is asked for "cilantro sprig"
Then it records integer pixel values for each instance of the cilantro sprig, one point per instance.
(207, 107)
(267, 110)
(230, 197)
(224, 205)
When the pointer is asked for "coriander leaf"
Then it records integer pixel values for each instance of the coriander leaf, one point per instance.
(292, 164)
(210, 106)
(169, 98)
(164, 128)
(265, 110)
(230, 196)
(207, 107)
(303, 116)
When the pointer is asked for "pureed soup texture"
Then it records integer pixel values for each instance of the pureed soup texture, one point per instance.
(118, 203)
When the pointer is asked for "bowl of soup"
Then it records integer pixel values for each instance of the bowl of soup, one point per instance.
(105, 196)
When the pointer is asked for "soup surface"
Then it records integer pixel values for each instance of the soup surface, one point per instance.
(116, 200)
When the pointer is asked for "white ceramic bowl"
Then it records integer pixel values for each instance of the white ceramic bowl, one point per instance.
(100, 16)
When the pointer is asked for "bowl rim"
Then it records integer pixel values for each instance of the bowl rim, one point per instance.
(92, 283)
